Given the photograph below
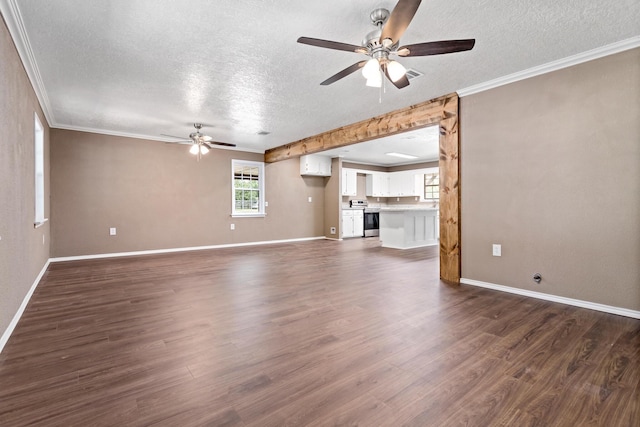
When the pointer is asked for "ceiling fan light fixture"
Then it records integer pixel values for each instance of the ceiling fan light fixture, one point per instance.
(395, 70)
(195, 149)
(203, 149)
(375, 80)
(371, 69)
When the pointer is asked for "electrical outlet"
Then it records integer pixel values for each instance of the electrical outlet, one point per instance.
(266, 204)
(497, 250)
(310, 199)
(233, 226)
(112, 231)
(333, 230)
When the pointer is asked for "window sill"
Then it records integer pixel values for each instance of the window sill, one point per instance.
(260, 215)
(40, 224)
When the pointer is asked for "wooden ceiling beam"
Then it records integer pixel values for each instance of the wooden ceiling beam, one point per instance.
(398, 121)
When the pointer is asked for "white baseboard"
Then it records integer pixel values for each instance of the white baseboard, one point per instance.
(555, 298)
(12, 325)
(193, 248)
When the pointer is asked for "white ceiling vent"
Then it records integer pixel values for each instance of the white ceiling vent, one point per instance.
(413, 74)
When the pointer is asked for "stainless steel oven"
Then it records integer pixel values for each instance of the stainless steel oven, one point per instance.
(371, 218)
(371, 222)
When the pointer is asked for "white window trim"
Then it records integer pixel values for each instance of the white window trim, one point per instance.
(39, 172)
(261, 200)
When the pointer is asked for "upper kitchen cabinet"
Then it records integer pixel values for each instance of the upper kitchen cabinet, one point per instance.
(349, 182)
(315, 165)
(402, 184)
(377, 184)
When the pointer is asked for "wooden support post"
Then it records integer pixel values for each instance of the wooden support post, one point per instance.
(449, 201)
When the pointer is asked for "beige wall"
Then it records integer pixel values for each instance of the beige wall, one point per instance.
(550, 169)
(22, 251)
(332, 199)
(159, 197)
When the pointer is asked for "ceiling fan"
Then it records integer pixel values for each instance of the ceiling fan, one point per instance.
(200, 143)
(383, 42)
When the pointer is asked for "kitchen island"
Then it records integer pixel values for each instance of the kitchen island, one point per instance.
(404, 228)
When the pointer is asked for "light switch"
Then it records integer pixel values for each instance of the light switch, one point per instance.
(233, 226)
(310, 199)
(112, 231)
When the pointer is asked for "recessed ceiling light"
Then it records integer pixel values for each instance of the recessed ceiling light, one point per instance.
(401, 155)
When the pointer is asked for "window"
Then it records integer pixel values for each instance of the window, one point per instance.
(431, 186)
(248, 188)
(39, 171)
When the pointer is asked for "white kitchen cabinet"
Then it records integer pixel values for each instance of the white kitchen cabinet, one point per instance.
(358, 223)
(349, 182)
(377, 184)
(352, 223)
(316, 165)
(402, 184)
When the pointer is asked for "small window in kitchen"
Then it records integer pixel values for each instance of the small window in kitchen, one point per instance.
(248, 188)
(39, 171)
(431, 186)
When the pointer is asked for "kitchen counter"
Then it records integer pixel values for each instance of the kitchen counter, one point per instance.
(404, 228)
(407, 208)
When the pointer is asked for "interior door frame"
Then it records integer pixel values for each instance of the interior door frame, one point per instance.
(442, 111)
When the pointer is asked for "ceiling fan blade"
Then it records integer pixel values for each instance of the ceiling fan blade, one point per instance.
(224, 144)
(185, 142)
(399, 20)
(331, 45)
(344, 73)
(400, 83)
(436, 48)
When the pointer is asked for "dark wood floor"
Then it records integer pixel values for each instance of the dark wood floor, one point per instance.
(308, 334)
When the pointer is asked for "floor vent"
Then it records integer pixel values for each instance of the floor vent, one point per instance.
(413, 74)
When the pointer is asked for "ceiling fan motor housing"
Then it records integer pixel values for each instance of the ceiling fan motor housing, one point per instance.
(379, 17)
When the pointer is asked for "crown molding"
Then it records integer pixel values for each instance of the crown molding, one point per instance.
(549, 67)
(145, 137)
(13, 18)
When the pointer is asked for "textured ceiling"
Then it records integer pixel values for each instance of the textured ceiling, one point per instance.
(149, 67)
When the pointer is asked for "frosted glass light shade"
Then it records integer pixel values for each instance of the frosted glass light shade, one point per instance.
(375, 80)
(395, 70)
(203, 149)
(194, 149)
(371, 68)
